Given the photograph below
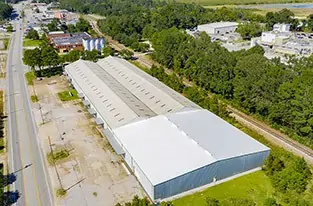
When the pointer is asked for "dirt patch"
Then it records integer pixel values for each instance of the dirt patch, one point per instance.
(92, 167)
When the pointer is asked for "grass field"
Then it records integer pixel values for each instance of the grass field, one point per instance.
(224, 2)
(255, 186)
(69, 95)
(31, 43)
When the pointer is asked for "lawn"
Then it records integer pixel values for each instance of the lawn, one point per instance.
(231, 2)
(31, 43)
(68, 95)
(255, 186)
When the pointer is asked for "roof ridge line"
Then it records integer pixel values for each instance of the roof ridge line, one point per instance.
(190, 138)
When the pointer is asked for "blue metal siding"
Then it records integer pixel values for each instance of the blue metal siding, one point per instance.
(205, 175)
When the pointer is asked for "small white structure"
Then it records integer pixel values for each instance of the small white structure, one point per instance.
(219, 27)
(281, 27)
(271, 38)
(93, 43)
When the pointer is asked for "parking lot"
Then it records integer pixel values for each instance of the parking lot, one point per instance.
(92, 174)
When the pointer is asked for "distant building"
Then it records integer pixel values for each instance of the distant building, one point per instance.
(271, 38)
(219, 27)
(93, 43)
(281, 28)
(67, 42)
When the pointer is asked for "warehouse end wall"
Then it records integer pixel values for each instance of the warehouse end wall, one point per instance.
(208, 174)
(140, 175)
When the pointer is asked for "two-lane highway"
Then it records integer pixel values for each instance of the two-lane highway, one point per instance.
(23, 147)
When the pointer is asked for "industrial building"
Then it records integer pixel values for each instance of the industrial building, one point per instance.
(218, 27)
(93, 43)
(65, 42)
(169, 143)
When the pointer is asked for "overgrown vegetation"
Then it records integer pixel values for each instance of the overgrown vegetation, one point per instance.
(61, 192)
(57, 155)
(69, 95)
(34, 98)
(30, 77)
(32, 34)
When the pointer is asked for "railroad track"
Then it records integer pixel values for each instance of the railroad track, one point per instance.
(275, 134)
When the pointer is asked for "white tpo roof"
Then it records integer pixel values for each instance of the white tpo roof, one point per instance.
(168, 146)
(217, 25)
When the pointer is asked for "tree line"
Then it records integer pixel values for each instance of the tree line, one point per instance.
(280, 94)
(5, 11)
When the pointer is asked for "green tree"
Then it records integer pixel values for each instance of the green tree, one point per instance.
(91, 55)
(54, 25)
(107, 51)
(273, 164)
(249, 30)
(33, 58)
(49, 56)
(270, 202)
(82, 25)
(72, 56)
(32, 34)
(126, 54)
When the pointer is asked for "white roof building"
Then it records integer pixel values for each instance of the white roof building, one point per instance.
(219, 27)
(170, 144)
(180, 151)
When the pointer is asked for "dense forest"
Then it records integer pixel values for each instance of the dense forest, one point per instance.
(5, 10)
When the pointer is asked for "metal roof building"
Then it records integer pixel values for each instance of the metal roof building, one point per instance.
(177, 152)
(171, 144)
(120, 93)
(219, 27)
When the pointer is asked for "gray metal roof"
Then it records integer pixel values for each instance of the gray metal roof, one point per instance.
(214, 134)
(157, 96)
(73, 39)
(87, 78)
(121, 93)
(221, 24)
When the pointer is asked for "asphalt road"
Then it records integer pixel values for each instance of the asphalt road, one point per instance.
(25, 155)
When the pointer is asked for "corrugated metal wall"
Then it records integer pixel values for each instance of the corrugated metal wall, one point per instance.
(205, 175)
(144, 181)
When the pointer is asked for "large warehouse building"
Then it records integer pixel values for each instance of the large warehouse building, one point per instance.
(168, 142)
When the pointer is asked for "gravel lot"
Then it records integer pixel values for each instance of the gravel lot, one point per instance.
(93, 174)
